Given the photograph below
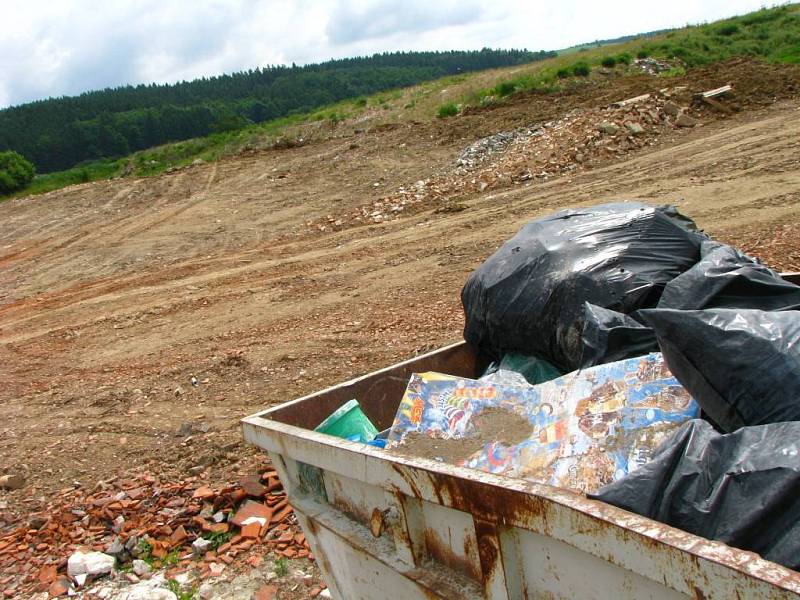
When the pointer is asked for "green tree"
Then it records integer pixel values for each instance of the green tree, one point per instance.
(15, 172)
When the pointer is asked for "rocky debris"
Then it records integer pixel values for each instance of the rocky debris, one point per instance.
(654, 66)
(90, 563)
(671, 108)
(608, 128)
(634, 128)
(12, 481)
(578, 140)
(142, 568)
(167, 524)
(684, 120)
(480, 151)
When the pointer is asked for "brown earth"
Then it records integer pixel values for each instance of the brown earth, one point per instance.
(114, 294)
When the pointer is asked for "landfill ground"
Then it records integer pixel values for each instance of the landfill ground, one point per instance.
(279, 272)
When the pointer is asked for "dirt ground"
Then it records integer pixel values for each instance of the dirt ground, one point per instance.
(113, 295)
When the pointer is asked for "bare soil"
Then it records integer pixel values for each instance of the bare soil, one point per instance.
(113, 295)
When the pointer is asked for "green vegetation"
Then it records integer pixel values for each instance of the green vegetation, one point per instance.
(175, 587)
(15, 172)
(61, 132)
(581, 69)
(281, 567)
(448, 109)
(217, 539)
(770, 34)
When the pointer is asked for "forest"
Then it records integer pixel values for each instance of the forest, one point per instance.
(59, 133)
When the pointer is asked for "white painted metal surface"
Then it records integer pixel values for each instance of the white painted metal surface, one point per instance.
(386, 526)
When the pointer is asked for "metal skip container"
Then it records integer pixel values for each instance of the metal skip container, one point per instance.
(388, 526)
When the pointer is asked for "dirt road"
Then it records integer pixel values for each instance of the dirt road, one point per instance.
(114, 294)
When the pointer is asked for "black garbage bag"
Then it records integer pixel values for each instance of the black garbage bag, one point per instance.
(741, 365)
(529, 295)
(609, 336)
(727, 278)
(739, 488)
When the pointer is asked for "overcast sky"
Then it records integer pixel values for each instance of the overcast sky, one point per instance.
(58, 47)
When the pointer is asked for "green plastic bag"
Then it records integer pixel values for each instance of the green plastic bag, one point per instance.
(534, 370)
(350, 423)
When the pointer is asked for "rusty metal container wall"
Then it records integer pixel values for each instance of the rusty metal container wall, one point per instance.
(382, 525)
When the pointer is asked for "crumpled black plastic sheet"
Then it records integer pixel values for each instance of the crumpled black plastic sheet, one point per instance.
(740, 488)
(727, 278)
(529, 295)
(741, 365)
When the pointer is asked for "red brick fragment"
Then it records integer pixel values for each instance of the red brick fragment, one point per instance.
(250, 508)
(204, 493)
(251, 530)
(266, 592)
(59, 587)
(48, 573)
(252, 486)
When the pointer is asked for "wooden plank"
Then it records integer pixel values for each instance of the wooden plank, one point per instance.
(716, 92)
(633, 100)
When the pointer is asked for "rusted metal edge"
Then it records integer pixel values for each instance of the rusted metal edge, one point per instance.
(512, 502)
(437, 581)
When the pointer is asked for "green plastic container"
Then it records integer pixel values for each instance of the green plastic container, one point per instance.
(350, 423)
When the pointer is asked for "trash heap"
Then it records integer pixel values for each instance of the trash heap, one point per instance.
(636, 360)
(536, 152)
(137, 524)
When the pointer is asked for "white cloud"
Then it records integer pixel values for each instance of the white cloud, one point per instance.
(66, 47)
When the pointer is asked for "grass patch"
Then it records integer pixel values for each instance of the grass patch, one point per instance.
(217, 539)
(282, 567)
(448, 109)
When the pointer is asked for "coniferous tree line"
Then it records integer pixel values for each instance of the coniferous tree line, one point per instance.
(58, 133)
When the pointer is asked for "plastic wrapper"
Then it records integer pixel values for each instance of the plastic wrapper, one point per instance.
(529, 295)
(727, 278)
(739, 488)
(518, 369)
(741, 365)
(609, 336)
(580, 431)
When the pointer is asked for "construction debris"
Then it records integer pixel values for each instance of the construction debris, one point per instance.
(142, 523)
(537, 152)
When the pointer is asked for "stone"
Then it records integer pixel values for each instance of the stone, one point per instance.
(609, 128)
(672, 109)
(186, 429)
(141, 568)
(142, 592)
(685, 120)
(326, 593)
(116, 549)
(12, 481)
(206, 592)
(200, 546)
(634, 128)
(91, 563)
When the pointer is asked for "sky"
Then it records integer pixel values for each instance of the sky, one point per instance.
(65, 47)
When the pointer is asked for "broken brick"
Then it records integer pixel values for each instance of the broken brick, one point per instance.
(251, 530)
(266, 592)
(250, 508)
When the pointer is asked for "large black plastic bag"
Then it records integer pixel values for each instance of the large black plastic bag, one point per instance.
(609, 336)
(727, 278)
(741, 365)
(741, 488)
(529, 295)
